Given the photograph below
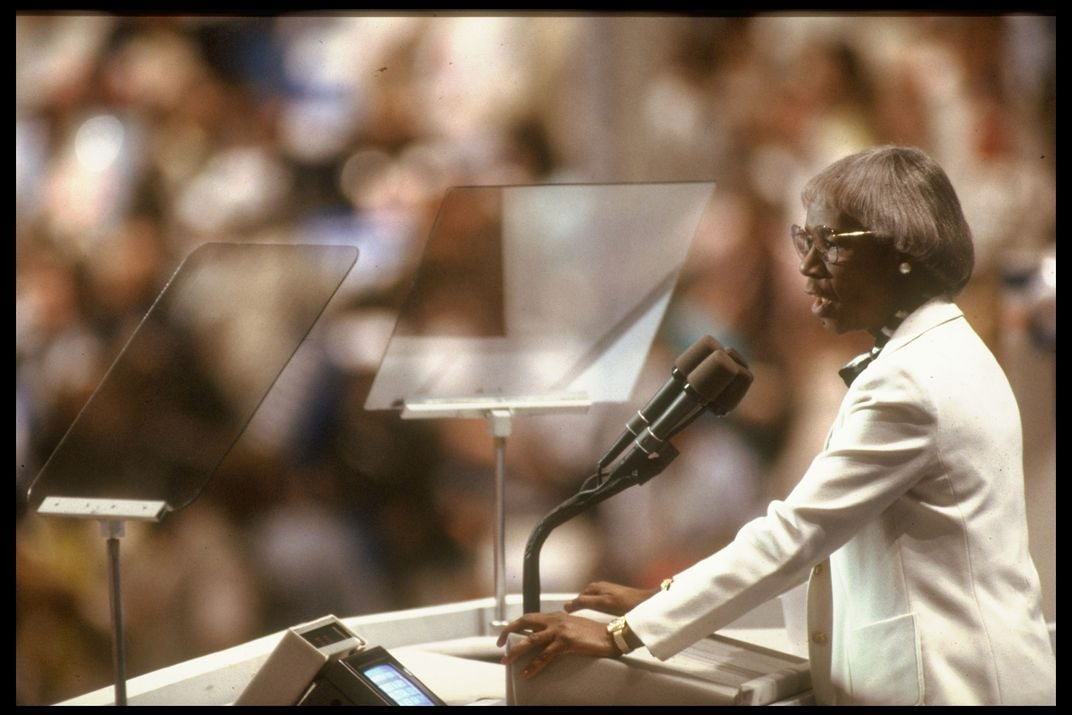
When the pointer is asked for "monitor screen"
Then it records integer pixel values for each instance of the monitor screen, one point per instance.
(396, 685)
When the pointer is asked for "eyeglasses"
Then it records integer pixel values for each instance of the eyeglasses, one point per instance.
(824, 239)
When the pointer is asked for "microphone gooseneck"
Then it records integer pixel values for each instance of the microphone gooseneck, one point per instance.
(706, 377)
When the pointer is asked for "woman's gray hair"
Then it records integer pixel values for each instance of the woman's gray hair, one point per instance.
(902, 193)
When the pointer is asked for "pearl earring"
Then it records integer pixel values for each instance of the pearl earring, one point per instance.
(905, 268)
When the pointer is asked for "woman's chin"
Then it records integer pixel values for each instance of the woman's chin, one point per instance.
(826, 311)
(833, 317)
(831, 323)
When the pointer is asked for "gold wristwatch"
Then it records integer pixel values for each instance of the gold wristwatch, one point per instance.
(624, 638)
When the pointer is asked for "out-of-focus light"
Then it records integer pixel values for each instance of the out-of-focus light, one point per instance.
(98, 141)
(31, 145)
(1048, 272)
(238, 187)
(316, 128)
(357, 341)
(359, 171)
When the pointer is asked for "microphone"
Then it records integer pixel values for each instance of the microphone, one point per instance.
(735, 392)
(705, 384)
(685, 364)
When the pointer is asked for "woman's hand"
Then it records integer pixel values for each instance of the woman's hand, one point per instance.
(609, 598)
(555, 634)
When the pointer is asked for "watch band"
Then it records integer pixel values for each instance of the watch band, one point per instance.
(624, 639)
(619, 642)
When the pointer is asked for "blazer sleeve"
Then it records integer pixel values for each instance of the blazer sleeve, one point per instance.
(882, 443)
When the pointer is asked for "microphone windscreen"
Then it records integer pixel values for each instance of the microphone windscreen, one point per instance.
(738, 357)
(734, 393)
(695, 354)
(712, 376)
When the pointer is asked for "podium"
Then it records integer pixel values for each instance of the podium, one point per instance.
(450, 649)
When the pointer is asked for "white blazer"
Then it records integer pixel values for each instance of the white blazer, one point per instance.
(912, 527)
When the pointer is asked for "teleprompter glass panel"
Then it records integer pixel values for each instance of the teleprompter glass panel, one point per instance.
(192, 375)
(539, 291)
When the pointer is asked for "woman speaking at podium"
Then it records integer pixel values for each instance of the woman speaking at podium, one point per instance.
(910, 525)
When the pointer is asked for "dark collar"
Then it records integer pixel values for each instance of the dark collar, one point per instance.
(859, 363)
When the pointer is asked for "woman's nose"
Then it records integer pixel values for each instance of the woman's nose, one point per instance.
(811, 264)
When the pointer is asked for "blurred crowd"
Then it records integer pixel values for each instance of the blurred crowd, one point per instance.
(138, 139)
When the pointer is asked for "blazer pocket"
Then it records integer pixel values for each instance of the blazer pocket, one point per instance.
(885, 662)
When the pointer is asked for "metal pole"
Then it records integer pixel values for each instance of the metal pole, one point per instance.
(113, 531)
(500, 429)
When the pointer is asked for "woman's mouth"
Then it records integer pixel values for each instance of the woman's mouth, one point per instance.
(821, 305)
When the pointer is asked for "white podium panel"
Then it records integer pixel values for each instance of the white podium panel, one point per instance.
(451, 649)
(715, 671)
(719, 670)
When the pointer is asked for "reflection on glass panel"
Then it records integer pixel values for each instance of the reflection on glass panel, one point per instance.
(528, 291)
(194, 372)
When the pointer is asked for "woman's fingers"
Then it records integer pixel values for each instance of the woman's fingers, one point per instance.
(552, 635)
(527, 622)
(533, 641)
(549, 653)
(597, 596)
(607, 597)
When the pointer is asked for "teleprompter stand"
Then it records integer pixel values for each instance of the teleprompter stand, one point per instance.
(112, 515)
(167, 412)
(499, 413)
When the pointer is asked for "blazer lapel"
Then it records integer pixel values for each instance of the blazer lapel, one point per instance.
(930, 315)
